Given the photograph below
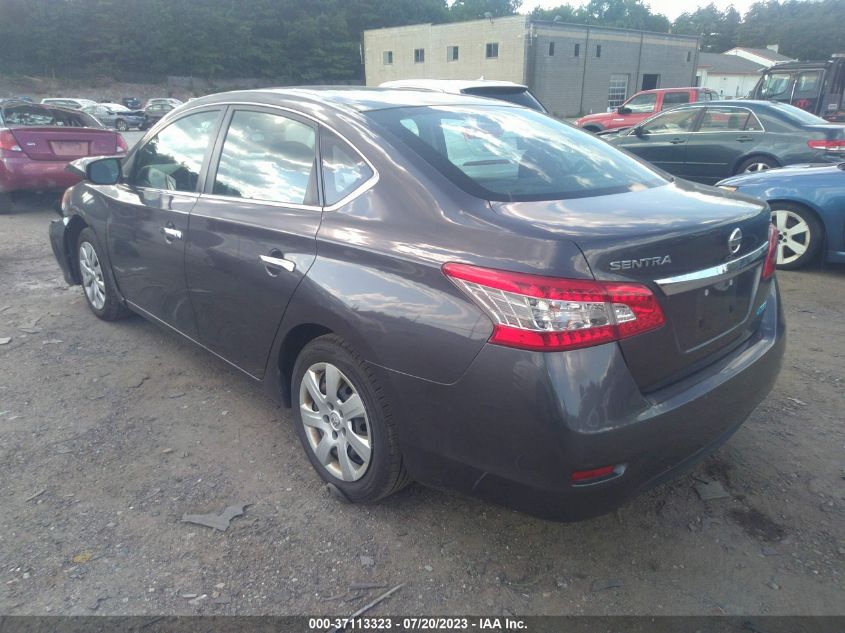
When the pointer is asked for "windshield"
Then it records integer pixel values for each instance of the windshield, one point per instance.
(29, 115)
(519, 96)
(514, 154)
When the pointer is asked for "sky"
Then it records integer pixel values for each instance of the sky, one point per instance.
(670, 8)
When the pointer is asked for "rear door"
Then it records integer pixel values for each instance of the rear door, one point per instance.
(674, 98)
(148, 222)
(723, 136)
(662, 140)
(253, 231)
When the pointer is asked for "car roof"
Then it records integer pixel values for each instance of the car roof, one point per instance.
(656, 90)
(357, 98)
(449, 85)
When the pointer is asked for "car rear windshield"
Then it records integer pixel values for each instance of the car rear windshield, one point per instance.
(517, 95)
(514, 154)
(28, 115)
(797, 115)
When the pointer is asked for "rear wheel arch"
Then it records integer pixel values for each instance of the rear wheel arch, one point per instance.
(762, 156)
(294, 342)
(592, 127)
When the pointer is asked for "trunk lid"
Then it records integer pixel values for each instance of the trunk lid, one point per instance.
(673, 239)
(64, 143)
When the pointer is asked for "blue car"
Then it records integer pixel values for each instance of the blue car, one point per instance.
(808, 208)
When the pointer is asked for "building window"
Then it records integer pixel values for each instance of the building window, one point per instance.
(387, 57)
(598, 50)
(492, 51)
(419, 55)
(689, 56)
(451, 53)
(577, 50)
(551, 49)
(617, 90)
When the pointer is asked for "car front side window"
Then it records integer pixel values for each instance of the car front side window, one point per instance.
(173, 158)
(268, 157)
(642, 104)
(671, 122)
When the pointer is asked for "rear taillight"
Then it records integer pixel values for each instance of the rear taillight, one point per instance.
(8, 142)
(836, 146)
(547, 313)
(770, 263)
(122, 147)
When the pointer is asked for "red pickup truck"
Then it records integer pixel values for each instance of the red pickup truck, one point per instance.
(642, 105)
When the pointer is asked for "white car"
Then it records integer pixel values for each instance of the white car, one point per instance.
(492, 89)
(76, 104)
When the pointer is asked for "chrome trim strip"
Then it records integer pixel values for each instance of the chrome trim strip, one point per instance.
(712, 275)
(263, 203)
(364, 187)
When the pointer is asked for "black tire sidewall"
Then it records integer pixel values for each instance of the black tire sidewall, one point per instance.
(816, 234)
(120, 124)
(326, 349)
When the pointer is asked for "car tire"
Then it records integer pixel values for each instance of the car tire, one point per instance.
(801, 235)
(756, 163)
(98, 283)
(120, 124)
(336, 430)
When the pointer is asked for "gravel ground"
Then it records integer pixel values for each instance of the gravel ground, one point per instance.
(109, 433)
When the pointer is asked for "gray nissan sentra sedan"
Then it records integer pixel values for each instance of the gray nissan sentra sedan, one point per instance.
(444, 288)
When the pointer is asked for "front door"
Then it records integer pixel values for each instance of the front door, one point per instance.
(253, 232)
(148, 220)
(662, 140)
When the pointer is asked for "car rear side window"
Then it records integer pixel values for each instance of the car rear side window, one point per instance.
(343, 168)
(172, 159)
(672, 99)
(268, 157)
(724, 119)
(514, 154)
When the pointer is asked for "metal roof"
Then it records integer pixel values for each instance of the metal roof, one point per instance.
(720, 63)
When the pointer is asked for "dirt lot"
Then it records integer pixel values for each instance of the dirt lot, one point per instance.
(109, 433)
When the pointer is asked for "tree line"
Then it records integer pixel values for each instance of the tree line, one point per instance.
(318, 41)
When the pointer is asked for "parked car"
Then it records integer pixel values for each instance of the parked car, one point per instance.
(74, 104)
(709, 142)
(502, 90)
(37, 142)
(817, 87)
(163, 100)
(133, 103)
(557, 336)
(155, 112)
(117, 116)
(643, 105)
(808, 209)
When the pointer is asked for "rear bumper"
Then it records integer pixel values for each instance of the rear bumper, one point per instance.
(517, 424)
(21, 173)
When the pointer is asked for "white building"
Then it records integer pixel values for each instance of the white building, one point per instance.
(768, 56)
(732, 76)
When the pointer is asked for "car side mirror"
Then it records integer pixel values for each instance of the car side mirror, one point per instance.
(105, 171)
(623, 110)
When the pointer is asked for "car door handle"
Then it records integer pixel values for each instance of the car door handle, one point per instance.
(678, 141)
(745, 139)
(171, 234)
(274, 261)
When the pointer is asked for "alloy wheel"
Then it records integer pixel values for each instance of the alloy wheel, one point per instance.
(755, 167)
(795, 235)
(335, 422)
(92, 275)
